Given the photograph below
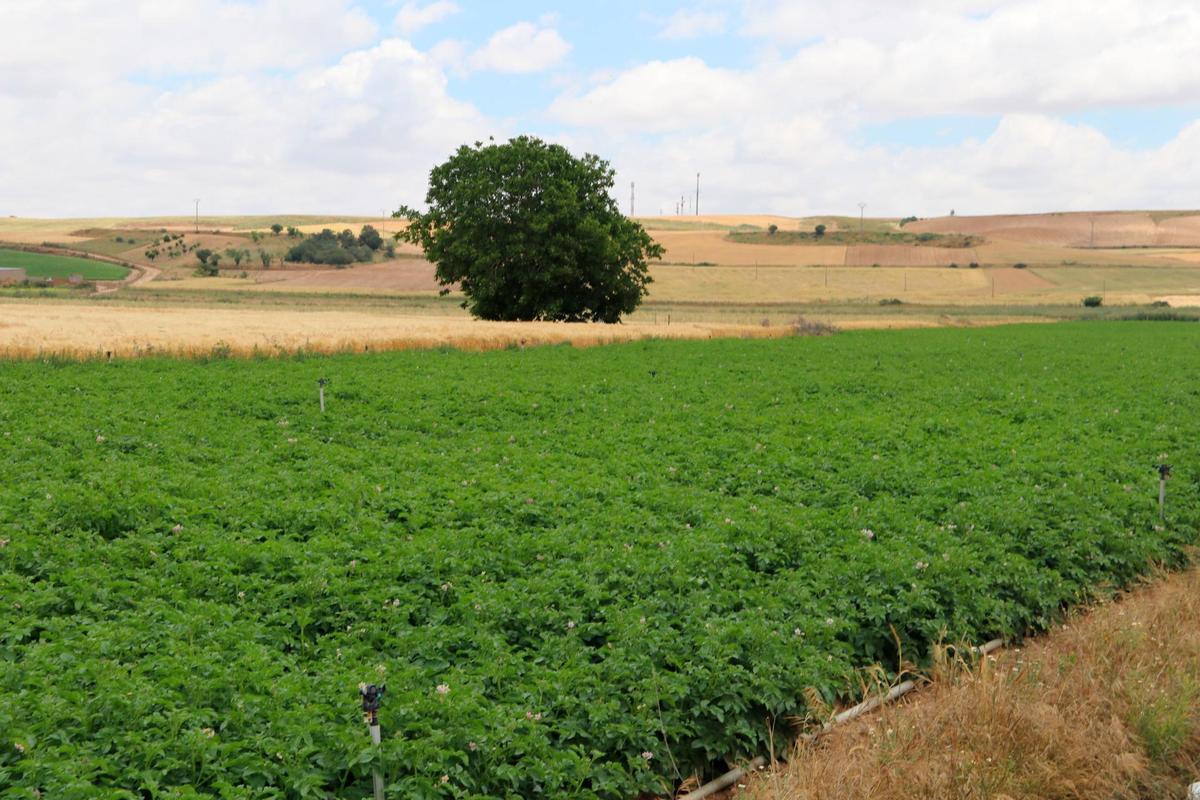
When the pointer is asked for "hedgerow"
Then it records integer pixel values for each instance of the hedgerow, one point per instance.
(580, 573)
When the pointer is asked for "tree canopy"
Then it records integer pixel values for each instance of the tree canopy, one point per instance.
(530, 232)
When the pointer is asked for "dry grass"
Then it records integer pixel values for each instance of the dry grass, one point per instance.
(1105, 706)
(82, 330)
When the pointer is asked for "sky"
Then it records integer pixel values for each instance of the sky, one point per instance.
(139, 107)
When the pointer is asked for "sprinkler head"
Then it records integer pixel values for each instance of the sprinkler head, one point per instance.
(322, 381)
(372, 696)
(1164, 470)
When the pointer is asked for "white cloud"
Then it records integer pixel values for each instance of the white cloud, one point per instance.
(785, 133)
(44, 47)
(656, 97)
(359, 135)
(296, 104)
(521, 48)
(983, 56)
(691, 23)
(413, 16)
(802, 165)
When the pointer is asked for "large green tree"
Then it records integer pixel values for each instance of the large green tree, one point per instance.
(531, 233)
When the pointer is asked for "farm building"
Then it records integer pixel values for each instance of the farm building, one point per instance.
(11, 275)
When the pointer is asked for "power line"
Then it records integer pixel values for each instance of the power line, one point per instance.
(697, 194)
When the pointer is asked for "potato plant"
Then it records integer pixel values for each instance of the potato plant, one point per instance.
(581, 573)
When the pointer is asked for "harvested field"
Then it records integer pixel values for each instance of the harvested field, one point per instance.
(1181, 300)
(401, 276)
(892, 255)
(48, 328)
(696, 247)
(1101, 229)
(724, 220)
(1014, 281)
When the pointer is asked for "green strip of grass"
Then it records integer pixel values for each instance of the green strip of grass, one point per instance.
(41, 265)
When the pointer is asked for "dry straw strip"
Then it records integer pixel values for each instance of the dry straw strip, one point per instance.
(1107, 705)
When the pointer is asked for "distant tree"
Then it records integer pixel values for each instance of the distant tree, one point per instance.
(772, 229)
(819, 231)
(346, 238)
(265, 257)
(203, 254)
(531, 232)
(276, 228)
(214, 260)
(255, 236)
(389, 250)
(151, 254)
(292, 231)
(237, 254)
(370, 237)
(1093, 301)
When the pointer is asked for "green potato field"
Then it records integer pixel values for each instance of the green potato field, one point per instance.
(42, 265)
(580, 573)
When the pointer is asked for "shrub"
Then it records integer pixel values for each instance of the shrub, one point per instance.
(265, 257)
(237, 254)
(953, 265)
(370, 237)
(1020, 265)
(1093, 302)
(891, 301)
(327, 247)
(974, 265)
(907, 220)
(772, 229)
(276, 228)
(819, 231)
(203, 254)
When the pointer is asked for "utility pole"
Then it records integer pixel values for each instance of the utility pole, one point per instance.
(197, 215)
(1092, 237)
(697, 194)
(632, 187)
(861, 210)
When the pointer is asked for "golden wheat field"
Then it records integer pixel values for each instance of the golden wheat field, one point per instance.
(70, 328)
